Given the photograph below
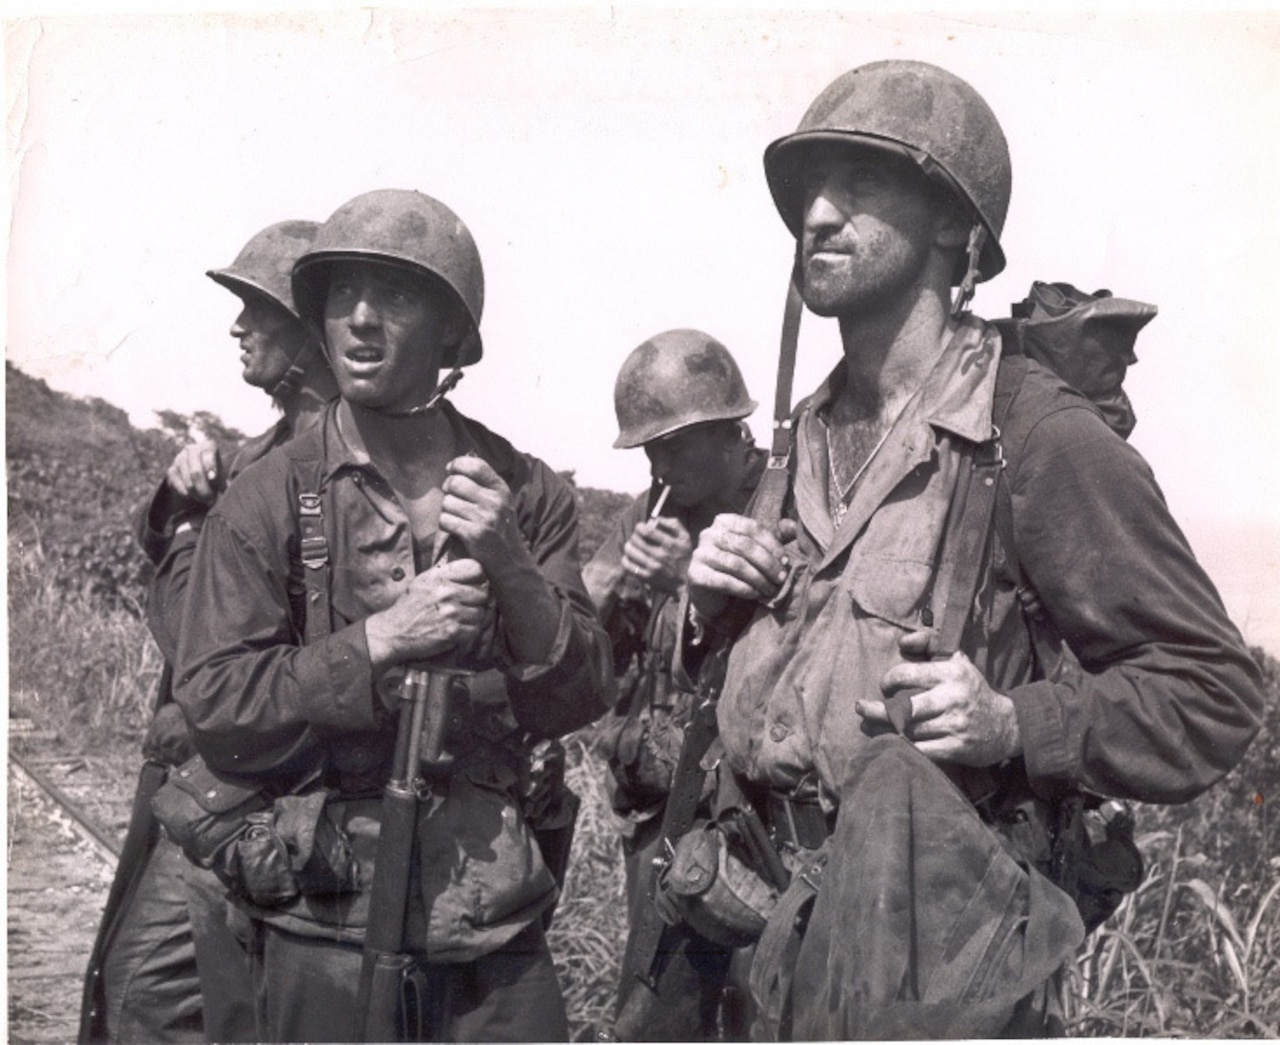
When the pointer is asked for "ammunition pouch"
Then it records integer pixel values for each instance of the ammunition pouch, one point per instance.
(264, 848)
(1100, 864)
(710, 886)
(643, 744)
(550, 808)
(1082, 843)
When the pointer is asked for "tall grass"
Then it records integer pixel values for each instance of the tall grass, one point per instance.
(1193, 953)
(76, 666)
(590, 925)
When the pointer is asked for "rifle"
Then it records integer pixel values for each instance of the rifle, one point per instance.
(392, 1001)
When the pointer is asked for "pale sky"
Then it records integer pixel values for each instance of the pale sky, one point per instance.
(607, 160)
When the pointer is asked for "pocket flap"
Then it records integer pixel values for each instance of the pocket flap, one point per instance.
(887, 587)
(214, 792)
(695, 862)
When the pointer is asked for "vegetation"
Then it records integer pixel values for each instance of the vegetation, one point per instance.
(1194, 953)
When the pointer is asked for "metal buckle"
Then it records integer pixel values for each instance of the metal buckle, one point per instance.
(806, 831)
(315, 552)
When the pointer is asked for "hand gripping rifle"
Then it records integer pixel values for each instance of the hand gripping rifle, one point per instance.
(687, 781)
(391, 1003)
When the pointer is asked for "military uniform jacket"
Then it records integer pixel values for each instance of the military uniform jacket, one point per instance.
(264, 705)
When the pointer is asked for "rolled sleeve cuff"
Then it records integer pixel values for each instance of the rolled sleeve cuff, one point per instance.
(163, 518)
(335, 681)
(523, 672)
(1043, 730)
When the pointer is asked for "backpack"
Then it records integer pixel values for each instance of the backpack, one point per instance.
(1086, 339)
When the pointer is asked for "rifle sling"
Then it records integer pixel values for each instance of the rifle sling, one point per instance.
(766, 507)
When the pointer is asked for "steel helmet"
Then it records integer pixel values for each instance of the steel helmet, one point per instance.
(264, 263)
(404, 228)
(913, 109)
(673, 380)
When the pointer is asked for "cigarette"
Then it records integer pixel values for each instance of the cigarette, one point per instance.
(662, 499)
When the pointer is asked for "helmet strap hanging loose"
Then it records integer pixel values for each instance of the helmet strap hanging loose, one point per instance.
(442, 389)
(977, 237)
(292, 379)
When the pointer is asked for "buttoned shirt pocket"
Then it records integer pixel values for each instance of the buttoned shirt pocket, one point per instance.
(886, 586)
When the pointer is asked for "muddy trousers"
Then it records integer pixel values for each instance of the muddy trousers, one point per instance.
(174, 972)
(306, 991)
(219, 932)
(691, 1001)
(149, 972)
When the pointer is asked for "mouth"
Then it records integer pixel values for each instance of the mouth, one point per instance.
(826, 255)
(827, 249)
(363, 356)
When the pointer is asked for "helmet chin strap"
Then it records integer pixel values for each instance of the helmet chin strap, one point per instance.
(442, 389)
(977, 237)
(291, 382)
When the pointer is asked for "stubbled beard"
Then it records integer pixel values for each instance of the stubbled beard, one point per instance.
(872, 277)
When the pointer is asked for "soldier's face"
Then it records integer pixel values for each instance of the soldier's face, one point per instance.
(870, 225)
(270, 338)
(696, 461)
(385, 329)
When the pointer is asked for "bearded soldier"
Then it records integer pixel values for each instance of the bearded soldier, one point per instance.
(962, 617)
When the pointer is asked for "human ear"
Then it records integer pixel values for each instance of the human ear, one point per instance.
(952, 230)
(456, 326)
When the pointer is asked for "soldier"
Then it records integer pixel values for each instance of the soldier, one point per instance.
(424, 535)
(164, 932)
(680, 396)
(897, 696)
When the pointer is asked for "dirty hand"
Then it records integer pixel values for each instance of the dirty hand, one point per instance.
(736, 557)
(479, 511)
(954, 715)
(196, 472)
(446, 606)
(658, 552)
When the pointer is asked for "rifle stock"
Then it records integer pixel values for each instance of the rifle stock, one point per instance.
(385, 963)
(386, 966)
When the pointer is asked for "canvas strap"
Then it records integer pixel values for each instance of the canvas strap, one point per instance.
(316, 566)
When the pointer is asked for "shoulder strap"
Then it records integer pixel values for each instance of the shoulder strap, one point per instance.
(968, 538)
(969, 522)
(769, 499)
(316, 568)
